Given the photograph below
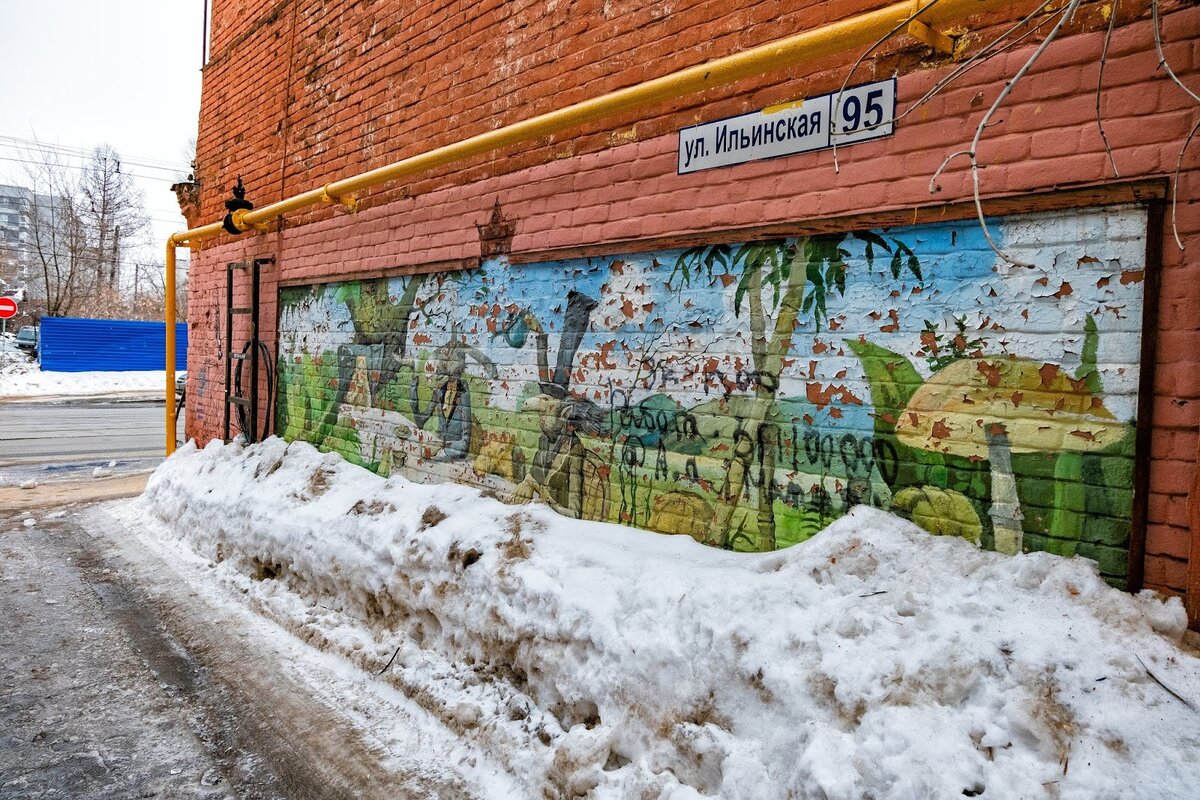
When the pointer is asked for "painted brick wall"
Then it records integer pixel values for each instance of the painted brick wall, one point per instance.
(301, 92)
(610, 187)
(747, 394)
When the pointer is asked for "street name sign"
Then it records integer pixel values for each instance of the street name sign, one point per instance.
(859, 114)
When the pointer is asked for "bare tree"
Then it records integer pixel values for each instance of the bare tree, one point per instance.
(56, 245)
(112, 212)
(145, 296)
(82, 224)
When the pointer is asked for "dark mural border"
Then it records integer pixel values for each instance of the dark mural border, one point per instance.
(1151, 194)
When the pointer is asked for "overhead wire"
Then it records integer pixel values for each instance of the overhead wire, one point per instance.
(84, 167)
(67, 150)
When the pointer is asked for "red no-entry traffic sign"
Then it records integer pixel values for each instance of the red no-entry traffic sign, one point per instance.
(8, 308)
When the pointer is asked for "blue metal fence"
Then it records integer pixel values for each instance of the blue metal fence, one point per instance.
(69, 344)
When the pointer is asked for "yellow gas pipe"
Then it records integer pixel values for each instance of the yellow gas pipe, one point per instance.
(172, 423)
(858, 31)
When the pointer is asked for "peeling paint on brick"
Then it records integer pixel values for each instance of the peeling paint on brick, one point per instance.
(583, 383)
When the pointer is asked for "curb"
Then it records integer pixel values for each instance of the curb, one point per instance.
(112, 397)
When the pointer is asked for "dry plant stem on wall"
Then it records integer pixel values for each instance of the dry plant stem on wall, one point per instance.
(837, 106)
(998, 46)
(1166, 66)
(1175, 181)
(972, 154)
(1112, 21)
(1162, 58)
(985, 54)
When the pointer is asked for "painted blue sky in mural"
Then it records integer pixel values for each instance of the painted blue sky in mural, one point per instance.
(1086, 263)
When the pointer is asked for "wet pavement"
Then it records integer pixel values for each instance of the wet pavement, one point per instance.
(94, 696)
(119, 678)
(56, 438)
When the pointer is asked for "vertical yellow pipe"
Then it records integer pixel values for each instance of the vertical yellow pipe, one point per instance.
(170, 366)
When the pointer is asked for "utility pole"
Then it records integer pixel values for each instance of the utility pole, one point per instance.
(115, 275)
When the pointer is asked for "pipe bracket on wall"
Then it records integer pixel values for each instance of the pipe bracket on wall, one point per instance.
(349, 202)
(933, 38)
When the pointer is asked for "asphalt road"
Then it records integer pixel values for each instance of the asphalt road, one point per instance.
(71, 436)
(71, 440)
(96, 700)
(128, 672)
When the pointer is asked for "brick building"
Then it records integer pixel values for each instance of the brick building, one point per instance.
(739, 351)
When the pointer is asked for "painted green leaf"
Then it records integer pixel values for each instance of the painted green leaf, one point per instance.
(873, 241)
(914, 266)
(892, 377)
(893, 381)
(740, 294)
(350, 290)
(1087, 366)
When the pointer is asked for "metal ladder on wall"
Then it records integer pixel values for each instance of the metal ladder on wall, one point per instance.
(250, 401)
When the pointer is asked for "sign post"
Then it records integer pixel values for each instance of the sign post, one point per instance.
(8, 310)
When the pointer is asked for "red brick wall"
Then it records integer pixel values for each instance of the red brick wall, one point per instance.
(368, 83)
(324, 89)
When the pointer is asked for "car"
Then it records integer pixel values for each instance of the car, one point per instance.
(180, 395)
(27, 339)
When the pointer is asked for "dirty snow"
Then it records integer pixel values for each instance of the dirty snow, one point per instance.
(373, 730)
(25, 379)
(599, 661)
(104, 471)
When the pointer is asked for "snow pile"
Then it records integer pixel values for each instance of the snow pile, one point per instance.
(11, 354)
(599, 661)
(24, 378)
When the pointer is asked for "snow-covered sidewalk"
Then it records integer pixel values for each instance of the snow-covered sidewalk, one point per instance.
(599, 661)
(24, 379)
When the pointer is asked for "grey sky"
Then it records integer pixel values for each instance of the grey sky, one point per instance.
(79, 73)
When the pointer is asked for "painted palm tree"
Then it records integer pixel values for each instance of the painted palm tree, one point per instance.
(799, 275)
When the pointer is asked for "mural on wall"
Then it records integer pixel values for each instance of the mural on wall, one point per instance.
(748, 394)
